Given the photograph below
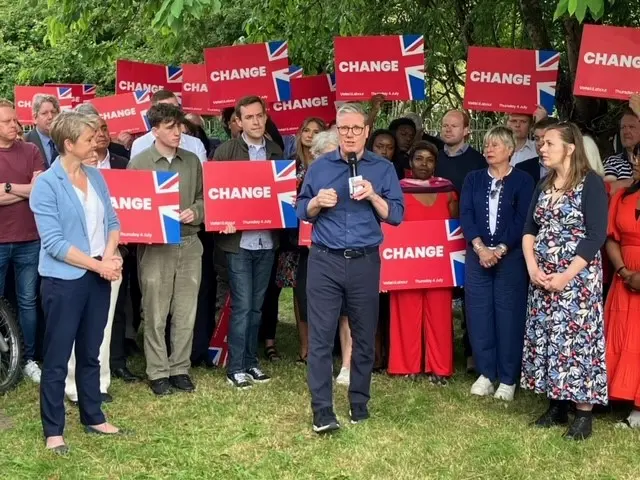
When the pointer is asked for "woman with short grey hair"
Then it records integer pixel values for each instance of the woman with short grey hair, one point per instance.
(493, 207)
(324, 142)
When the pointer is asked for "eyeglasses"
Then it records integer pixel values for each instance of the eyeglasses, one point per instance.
(356, 130)
(496, 190)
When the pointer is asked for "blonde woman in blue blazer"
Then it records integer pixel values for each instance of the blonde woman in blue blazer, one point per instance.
(79, 234)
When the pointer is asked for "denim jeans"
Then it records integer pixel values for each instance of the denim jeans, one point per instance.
(24, 258)
(249, 272)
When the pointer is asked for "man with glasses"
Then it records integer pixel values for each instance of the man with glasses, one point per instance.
(45, 109)
(344, 259)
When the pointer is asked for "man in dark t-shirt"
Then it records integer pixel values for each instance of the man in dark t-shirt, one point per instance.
(20, 164)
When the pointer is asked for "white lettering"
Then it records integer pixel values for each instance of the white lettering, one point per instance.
(131, 203)
(372, 66)
(239, 193)
(408, 253)
(502, 78)
(304, 103)
(127, 112)
(612, 60)
(133, 86)
(239, 74)
(24, 104)
(195, 87)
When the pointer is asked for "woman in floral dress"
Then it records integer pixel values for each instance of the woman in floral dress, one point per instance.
(564, 346)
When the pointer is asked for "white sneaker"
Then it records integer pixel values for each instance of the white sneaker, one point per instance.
(505, 392)
(32, 370)
(343, 377)
(482, 387)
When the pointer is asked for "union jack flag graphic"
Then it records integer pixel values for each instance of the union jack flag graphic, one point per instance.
(412, 44)
(282, 84)
(218, 345)
(88, 90)
(331, 78)
(142, 96)
(457, 258)
(168, 183)
(547, 61)
(174, 74)
(277, 50)
(285, 170)
(65, 93)
(295, 72)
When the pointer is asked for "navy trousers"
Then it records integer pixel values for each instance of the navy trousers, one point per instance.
(332, 279)
(496, 304)
(75, 311)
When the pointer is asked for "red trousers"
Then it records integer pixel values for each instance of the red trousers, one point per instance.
(421, 332)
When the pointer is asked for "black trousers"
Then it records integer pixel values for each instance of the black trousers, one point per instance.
(269, 323)
(206, 313)
(332, 278)
(75, 311)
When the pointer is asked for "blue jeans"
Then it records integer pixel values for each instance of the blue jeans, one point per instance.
(24, 258)
(249, 273)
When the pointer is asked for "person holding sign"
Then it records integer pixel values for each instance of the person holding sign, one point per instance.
(421, 332)
(493, 209)
(79, 232)
(170, 274)
(346, 194)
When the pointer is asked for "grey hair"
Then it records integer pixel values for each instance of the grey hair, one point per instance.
(324, 142)
(348, 108)
(593, 155)
(87, 109)
(40, 98)
(502, 134)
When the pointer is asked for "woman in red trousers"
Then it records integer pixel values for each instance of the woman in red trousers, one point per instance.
(421, 332)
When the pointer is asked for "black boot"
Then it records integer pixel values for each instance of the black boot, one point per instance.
(556, 414)
(580, 429)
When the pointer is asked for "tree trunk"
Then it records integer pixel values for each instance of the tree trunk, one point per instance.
(535, 24)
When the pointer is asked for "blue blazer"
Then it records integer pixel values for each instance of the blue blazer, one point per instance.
(61, 221)
(512, 208)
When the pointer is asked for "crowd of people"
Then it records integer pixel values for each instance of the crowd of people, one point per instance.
(552, 275)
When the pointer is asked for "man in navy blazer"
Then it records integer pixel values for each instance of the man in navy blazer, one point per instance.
(533, 166)
(45, 109)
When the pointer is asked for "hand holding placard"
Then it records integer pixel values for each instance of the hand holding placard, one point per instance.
(634, 103)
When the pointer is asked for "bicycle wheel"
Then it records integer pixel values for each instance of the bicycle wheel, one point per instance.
(11, 348)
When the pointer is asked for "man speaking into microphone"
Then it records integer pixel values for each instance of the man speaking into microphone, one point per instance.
(346, 194)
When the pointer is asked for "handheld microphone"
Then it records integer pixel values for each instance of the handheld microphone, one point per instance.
(352, 161)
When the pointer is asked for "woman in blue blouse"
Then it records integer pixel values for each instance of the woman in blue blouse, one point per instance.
(79, 234)
(493, 208)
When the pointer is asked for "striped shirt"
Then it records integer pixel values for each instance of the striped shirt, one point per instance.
(618, 166)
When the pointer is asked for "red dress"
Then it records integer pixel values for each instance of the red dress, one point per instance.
(421, 329)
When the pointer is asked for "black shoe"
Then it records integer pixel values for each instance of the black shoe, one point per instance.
(125, 375)
(257, 375)
(325, 421)
(239, 380)
(182, 382)
(161, 387)
(581, 427)
(556, 414)
(95, 431)
(106, 398)
(358, 412)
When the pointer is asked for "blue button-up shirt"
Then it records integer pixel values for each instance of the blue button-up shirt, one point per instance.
(351, 223)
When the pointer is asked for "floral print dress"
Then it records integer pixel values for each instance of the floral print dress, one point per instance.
(564, 345)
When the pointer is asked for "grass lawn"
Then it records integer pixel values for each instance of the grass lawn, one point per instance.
(417, 431)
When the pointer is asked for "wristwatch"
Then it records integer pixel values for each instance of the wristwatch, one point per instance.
(503, 248)
(7, 187)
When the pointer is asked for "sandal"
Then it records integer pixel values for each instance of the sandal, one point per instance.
(272, 353)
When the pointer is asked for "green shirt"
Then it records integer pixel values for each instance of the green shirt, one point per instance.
(189, 169)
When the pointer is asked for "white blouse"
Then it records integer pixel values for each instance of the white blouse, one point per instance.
(94, 216)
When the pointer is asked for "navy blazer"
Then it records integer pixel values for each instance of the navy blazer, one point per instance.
(513, 206)
(532, 167)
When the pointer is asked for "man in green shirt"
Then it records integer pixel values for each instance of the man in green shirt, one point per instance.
(170, 274)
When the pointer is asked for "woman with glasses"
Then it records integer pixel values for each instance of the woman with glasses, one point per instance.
(622, 312)
(493, 208)
(564, 345)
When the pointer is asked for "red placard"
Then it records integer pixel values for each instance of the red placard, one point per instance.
(23, 96)
(511, 80)
(126, 112)
(250, 195)
(609, 63)
(147, 204)
(81, 92)
(218, 345)
(422, 254)
(133, 76)
(260, 69)
(313, 96)
(195, 91)
(304, 234)
(390, 65)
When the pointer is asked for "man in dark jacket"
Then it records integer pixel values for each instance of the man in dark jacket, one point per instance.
(249, 254)
(533, 166)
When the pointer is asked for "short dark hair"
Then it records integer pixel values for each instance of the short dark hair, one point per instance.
(399, 122)
(545, 123)
(164, 113)
(161, 95)
(249, 100)
(422, 145)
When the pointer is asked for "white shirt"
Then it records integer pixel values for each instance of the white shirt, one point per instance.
(187, 142)
(494, 202)
(256, 239)
(94, 217)
(527, 152)
(105, 163)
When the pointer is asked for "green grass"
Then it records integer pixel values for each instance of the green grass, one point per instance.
(417, 431)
